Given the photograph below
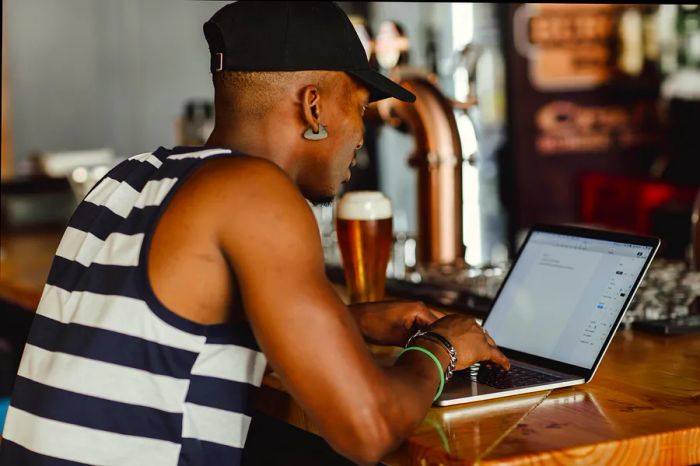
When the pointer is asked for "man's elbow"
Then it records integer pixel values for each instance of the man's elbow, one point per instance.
(372, 437)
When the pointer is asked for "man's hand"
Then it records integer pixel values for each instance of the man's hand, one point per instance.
(471, 341)
(392, 323)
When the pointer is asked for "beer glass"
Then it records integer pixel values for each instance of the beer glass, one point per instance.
(364, 229)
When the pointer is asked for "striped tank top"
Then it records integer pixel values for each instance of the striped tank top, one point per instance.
(109, 375)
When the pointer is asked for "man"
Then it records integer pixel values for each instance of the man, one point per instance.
(183, 267)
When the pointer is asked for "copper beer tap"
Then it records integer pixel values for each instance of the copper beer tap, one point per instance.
(437, 155)
(438, 159)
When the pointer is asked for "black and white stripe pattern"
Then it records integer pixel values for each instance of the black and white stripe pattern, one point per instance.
(109, 375)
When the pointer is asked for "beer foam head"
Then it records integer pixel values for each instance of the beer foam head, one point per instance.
(364, 205)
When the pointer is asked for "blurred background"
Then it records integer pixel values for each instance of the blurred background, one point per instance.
(580, 113)
(557, 113)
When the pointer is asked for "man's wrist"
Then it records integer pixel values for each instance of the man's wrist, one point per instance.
(420, 363)
(444, 344)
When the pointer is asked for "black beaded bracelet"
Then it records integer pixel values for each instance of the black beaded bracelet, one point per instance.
(437, 338)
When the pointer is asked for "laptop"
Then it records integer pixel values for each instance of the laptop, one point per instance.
(556, 311)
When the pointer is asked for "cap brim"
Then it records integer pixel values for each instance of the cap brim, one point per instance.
(380, 87)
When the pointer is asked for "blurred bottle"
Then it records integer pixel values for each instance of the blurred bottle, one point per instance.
(630, 58)
(688, 26)
(197, 123)
(677, 37)
(681, 92)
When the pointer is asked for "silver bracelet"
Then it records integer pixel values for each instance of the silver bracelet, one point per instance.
(437, 338)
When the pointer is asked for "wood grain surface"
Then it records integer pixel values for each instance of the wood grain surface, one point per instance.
(25, 260)
(642, 407)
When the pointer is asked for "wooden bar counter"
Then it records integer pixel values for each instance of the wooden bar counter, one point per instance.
(642, 407)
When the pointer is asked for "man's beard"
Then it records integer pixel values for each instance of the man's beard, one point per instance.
(322, 201)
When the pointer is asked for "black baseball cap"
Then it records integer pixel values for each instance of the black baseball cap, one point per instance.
(293, 36)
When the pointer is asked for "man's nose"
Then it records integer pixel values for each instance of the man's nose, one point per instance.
(360, 144)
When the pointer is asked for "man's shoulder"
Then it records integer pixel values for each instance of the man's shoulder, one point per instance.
(244, 200)
(240, 173)
(242, 164)
(242, 183)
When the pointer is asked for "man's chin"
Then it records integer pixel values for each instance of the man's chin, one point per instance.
(321, 201)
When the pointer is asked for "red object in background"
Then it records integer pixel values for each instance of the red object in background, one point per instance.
(627, 203)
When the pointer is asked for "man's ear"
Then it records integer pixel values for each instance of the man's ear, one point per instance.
(311, 106)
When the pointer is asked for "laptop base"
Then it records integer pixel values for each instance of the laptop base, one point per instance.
(464, 389)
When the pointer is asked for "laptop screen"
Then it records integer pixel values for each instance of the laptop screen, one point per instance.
(564, 295)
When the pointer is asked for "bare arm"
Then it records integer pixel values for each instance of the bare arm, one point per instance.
(310, 338)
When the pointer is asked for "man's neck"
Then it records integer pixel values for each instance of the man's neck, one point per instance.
(260, 140)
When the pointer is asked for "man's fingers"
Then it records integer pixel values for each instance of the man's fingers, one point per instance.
(436, 313)
(489, 339)
(499, 358)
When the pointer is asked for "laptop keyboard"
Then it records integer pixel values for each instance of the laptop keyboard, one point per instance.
(495, 376)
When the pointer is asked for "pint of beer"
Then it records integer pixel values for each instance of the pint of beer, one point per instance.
(364, 228)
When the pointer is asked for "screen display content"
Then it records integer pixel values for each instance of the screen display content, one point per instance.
(563, 296)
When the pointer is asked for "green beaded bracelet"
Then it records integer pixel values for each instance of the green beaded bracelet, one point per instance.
(441, 373)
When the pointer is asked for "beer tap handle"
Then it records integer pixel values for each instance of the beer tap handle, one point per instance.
(467, 58)
(464, 105)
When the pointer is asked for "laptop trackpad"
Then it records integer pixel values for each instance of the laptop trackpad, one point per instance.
(461, 387)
